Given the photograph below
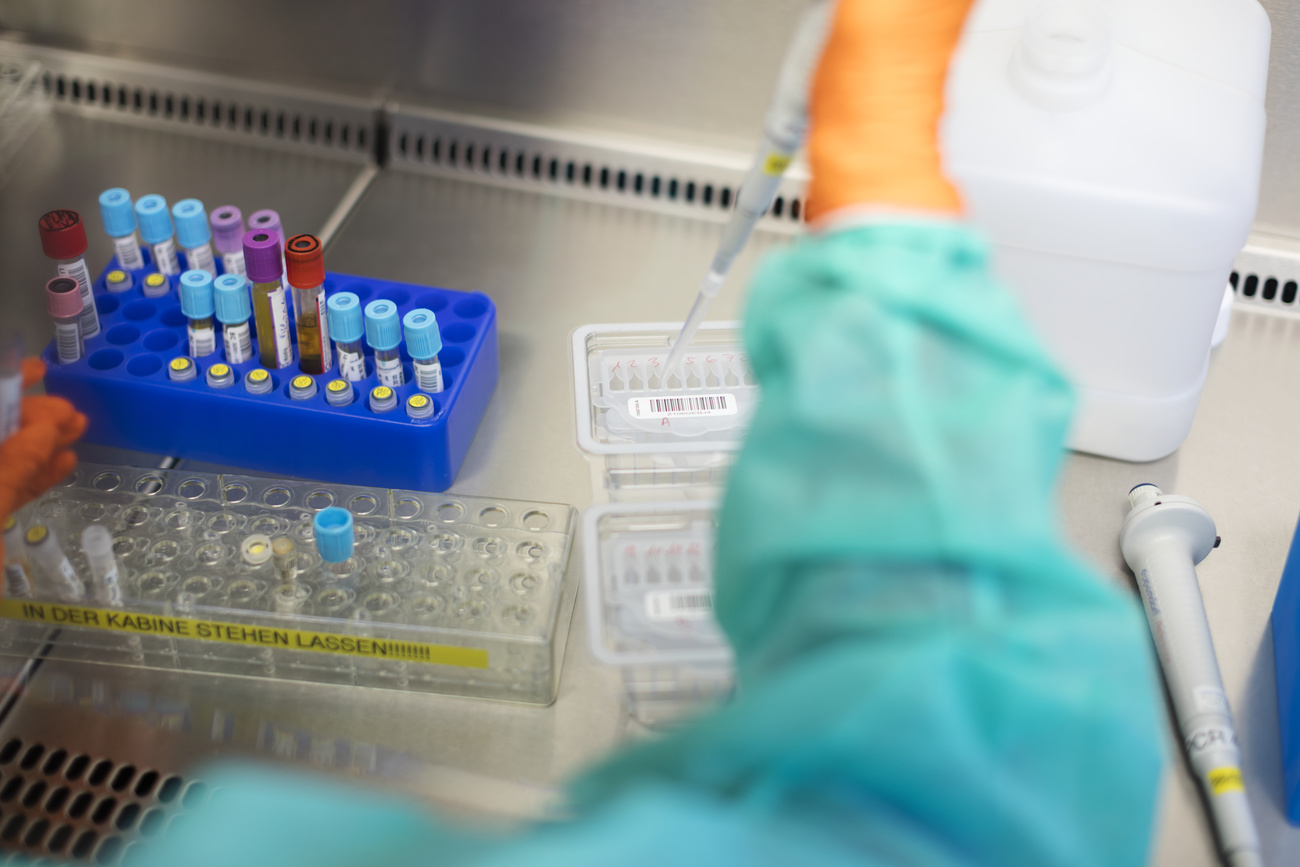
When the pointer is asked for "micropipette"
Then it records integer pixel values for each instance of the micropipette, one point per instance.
(783, 133)
(1163, 538)
(11, 382)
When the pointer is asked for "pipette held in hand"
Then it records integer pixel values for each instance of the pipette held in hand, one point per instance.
(784, 128)
(1163, 538)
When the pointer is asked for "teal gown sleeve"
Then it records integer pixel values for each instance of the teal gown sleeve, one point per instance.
(927, 674)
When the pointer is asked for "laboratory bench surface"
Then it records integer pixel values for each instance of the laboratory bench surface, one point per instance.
(554, 263)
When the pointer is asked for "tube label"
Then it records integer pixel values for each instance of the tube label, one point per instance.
(280, 321)
(71, 587)
(665, 605)
(128, 252)
(389, 371)
(326, 360)
(682, 407)
(109, 590)
(239, 343)
(428, 375)
(16, 583)
(11, 405)
(233, 263)
(200, 259)
(89, 315)
(203, 341)
(164, 258)
(352, 366)
(67, 338)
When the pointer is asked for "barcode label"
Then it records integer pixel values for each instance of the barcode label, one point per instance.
(389, 371)
(164, 258)
(203, 341)
(67, 338)
(70, 589)
(128, 252)
(322, 318)
(280, 322)
(681, 407)
(428, 376)
(679, 605)
(89, 316)
(16, 583)
(239, 343)
(233, 262)
(352, 366)
(200, 259)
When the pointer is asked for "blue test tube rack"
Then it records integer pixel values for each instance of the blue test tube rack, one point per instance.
(122, 386)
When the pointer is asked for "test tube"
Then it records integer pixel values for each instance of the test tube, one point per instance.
(17, 582)
(228, 236)
(345, 324)
(119, 223)
(63, 238)
(262, 260)
(335, 536)
(63, 299)
(156, 230)
(384, 334)
(118, 280)
(422, 343)
(197, 305)
(269, 220)
(97, 543)
(11, 382)
(285, 553)
(194, 235)
(230, 299)
(305, 263)
(155, 286)
(44, 549)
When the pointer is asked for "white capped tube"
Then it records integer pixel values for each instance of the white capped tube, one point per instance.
(43, 549)
(97, 543)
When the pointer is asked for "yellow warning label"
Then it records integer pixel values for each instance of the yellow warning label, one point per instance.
(776, 164)
(241, 633)
(1225, 780)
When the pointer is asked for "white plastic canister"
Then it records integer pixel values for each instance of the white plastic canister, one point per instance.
(1111, 151)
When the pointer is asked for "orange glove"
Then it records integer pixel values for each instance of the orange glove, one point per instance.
(875, 106)
(37, 456)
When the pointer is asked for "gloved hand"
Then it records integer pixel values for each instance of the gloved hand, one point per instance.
(875, 106)
(37, 456)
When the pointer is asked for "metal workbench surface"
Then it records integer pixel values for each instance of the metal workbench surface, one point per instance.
(553, 263)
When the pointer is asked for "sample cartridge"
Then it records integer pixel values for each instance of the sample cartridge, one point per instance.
(198, 306)
(119, 224)
(194, 235)
(305, 264)
(156, 230)
(270, 310)
(63, 238)
(233, 309)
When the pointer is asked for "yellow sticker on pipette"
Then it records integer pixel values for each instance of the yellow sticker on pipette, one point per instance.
(776, 164)
(116, 620)
(1225, 780)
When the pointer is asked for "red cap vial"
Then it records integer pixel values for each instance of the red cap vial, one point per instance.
(63, 235)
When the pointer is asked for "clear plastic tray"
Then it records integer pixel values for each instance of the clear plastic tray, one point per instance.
(649, 591)
(444, 593)
(647, 432)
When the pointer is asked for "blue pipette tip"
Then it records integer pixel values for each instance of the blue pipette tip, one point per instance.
(334, 534)
(117, 211)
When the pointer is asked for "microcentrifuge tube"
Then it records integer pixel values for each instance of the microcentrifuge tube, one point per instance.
(156, 230)
(220, 376)
(182, 369)
(17, 583)
(270, 310)
(11, 382)
(258, 381)
(345, 324)
(269, 220)
(63, 237)
(302, 387)
(194, 235)
(384, 334)
(422, 343)
(382, 399)
(44, 549)
(339, 392)
(198, 306)
(97, 544)
(119, 224)
(155, 286)
(285, 554)
(118, 280)
(63, 300)
(305, 270)
(256, 549)
(228, 236)
(233, 309)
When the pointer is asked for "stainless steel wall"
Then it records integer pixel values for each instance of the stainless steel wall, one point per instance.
(690, 71)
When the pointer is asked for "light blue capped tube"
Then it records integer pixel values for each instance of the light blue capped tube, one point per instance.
(334, 534)
(194, 235)
(343, 314)
(422, 343)
(156, 231)
(119, 224)
(384, 334)
(198, 305)
(234, 307)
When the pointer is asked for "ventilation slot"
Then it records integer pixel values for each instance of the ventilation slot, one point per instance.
(208, 112)
(518, 164)
(1265, 289)
(57, 804)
